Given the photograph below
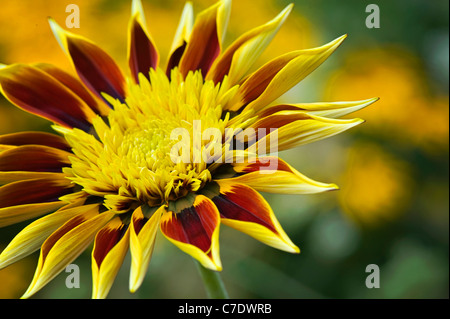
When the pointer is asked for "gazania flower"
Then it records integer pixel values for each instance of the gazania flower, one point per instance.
(112, 173)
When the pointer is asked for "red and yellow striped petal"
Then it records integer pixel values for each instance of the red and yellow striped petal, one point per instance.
(27, 199)
(110, 248)
(31, 237)
(195, 230)
(37, 92)
(34, 191)
(244, 209)
(95, 67)
(65, 245)
(181, 37)
(36, 138)
(327, 109)
(240, 56)
(279, 75)
(34, 158)
(205, 41)
(273, 175)
(298, 128)
(142, 240)
(142, 52)
(14, 176)
(73, 84)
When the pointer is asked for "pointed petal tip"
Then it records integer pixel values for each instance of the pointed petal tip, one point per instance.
(285, 13)
(136, 8)
(58, 32)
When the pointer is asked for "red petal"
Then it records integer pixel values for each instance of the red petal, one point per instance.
(72, 83)
(193, 225)
(36, 138)
(143, 55)
(240, 202)
(39, 93)
(94, 66)
(34, 158)
(33, 191)
(97, 69)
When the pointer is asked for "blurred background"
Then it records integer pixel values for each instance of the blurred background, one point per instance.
(393, 206)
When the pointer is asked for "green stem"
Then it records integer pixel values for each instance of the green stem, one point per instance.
(213, 283)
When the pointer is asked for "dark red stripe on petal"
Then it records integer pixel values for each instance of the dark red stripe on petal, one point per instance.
(39, 93)
(138, 224)
(175, 58)
(34, 191)
(54, 237)
(106, 239)
(257, 83)
(242, 203)
(34, 158)
(143, 54)
(96, 69)
(259, 165)
(276, 121)
(36, 138)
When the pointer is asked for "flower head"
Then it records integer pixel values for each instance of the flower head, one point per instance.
(130, 155)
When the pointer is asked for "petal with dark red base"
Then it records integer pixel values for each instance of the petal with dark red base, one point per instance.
(39, 93)
(244, 209)
(95, 67)
(181, 37)
(204, 44)
(72, 83)
(110, 248)
(273, 175)
(142, 240)
(279, 75)
(142, 53)
(35, 138)
(195, 230)
(34, 158)
(240, 56)
(34, 191)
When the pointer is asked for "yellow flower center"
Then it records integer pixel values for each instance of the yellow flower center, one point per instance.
(129, 160)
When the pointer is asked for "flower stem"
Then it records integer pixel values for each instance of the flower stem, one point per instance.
(213, 283)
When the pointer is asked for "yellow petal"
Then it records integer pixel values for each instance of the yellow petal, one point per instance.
(94, 66)
(142, 241)
(273, 175)
(299, 129)
(65, 245)
(184, 27)
(15, 214)
(32, 236)
(323, 109)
